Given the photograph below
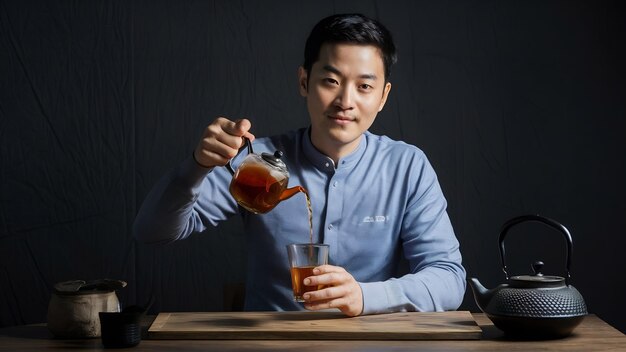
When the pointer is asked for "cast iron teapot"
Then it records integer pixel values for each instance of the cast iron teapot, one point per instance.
(260, 181)
(532, 306)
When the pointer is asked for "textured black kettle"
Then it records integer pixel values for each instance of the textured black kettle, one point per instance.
(532, 306)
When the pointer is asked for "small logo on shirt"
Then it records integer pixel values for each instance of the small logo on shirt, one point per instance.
(376, 218)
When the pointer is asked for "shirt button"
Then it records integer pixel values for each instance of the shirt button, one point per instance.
(335, 184)
(330, 226)
(327, 164)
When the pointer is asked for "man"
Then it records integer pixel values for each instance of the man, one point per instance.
(375, 201)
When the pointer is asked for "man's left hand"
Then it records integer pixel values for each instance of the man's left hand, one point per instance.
(341, 291)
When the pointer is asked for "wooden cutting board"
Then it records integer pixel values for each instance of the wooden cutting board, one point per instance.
(456, 325)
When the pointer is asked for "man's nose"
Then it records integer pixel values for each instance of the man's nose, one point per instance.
(345, 98)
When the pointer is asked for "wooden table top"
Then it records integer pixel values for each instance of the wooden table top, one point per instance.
(592, 334)
(303, 325)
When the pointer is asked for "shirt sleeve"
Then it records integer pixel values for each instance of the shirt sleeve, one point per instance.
(186, 200)
(436, 280)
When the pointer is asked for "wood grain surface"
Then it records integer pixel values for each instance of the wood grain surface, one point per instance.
(591, 335)
(456, 325)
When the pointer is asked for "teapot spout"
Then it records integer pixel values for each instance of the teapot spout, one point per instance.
(290, 192)
(482, 295)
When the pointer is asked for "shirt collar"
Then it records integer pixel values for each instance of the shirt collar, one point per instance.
(323, 162)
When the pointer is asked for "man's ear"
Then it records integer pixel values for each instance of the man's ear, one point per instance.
(383, 99)
(303, 78)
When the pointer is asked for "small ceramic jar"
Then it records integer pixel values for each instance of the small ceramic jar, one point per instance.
(74, 314)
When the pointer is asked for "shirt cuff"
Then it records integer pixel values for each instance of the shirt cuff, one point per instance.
(191, 173)
(375, 298)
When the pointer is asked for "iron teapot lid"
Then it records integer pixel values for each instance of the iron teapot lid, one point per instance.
(538, 280)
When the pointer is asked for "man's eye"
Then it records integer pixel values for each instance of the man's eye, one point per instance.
(365, 86)
(330, 81)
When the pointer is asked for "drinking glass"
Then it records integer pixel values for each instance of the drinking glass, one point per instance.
(303, 258)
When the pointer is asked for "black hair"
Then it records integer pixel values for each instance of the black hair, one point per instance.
(350, 28)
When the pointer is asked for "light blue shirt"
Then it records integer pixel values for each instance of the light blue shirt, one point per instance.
(380, 206)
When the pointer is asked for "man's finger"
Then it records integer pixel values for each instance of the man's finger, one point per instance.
(225, 147)
(243, 125)
(327, 268)
(323, 294)
(237, 128)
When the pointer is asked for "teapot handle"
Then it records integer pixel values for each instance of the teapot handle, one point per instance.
(547, 221)
(246, 143)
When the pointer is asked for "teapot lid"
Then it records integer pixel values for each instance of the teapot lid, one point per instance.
(538, 280)
(78, 287)
(275, 160)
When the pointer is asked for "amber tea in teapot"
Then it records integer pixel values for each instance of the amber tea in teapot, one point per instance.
(260, 181)
(256, 189)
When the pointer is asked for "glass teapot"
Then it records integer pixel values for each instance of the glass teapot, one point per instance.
(260, 181)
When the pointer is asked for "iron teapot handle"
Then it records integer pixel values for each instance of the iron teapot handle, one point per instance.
(547, 221)
(246, 143)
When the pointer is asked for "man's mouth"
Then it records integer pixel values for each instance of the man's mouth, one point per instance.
(341, 119)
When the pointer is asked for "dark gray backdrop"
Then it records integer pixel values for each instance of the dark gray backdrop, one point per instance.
(520, 106)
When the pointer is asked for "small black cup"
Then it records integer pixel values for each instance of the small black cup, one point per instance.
(120, 329)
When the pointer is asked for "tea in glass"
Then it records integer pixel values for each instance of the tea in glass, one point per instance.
(303, 258)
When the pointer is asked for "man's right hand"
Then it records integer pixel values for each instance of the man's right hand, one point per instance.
(221, 141)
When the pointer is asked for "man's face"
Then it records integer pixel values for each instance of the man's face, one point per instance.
(345, 90)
